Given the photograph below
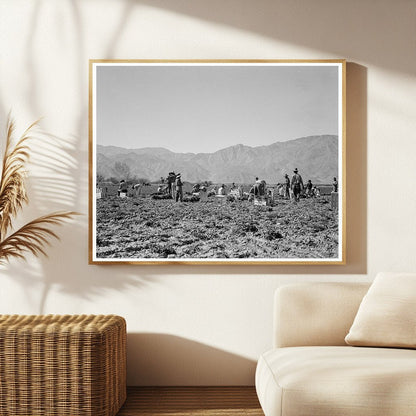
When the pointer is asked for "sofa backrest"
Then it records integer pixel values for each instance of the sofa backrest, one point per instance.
(309, 314)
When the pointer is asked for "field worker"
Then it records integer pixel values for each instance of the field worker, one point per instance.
(335, 185)
(257, 186)
(287, 187)
(297, 185)
(262, 188)
(212, 191)
(179, 190)
(122, 188)
(240, 191)
(221, 191)
(309, 187)
(171, 180)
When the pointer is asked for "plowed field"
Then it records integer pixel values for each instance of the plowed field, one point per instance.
(144, 228)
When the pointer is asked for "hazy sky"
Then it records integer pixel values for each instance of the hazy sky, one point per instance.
(207, 108)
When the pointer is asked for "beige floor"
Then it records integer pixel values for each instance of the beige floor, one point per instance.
(187, 401)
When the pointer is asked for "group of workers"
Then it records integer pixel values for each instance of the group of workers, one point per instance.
(291, 187)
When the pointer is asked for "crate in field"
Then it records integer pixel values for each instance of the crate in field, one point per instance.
(276, 196)
(235, 193)
(260, 201)
(221, 198)
(108, 189)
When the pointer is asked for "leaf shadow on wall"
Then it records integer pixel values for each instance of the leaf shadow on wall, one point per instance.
(335, 27)
(163, 359)
(53, 187)
(59, 182)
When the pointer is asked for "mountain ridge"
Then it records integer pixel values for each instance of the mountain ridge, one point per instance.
(316, 157)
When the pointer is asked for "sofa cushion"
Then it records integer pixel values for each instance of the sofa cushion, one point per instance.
(315, 314)
(342, 381)
(387, 314)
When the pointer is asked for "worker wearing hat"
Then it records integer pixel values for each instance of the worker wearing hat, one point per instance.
(296, 185)
(179, 190)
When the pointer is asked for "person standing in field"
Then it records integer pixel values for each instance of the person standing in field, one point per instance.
(171, 180)
(257, 186)
(287, 187)
(309, 187)
(335, 185)
(240, 191)
(122, 188)
(179, 186)
(297, 185)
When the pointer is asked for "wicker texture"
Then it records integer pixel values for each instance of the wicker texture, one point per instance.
(54, 365)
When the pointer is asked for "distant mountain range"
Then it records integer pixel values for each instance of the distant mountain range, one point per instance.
(316, 157)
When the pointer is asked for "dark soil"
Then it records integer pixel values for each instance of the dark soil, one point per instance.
(143, 228)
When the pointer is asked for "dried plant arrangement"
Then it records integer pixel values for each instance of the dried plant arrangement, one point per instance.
(34, 236)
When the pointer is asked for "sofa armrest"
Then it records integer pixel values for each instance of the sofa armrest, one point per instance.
(309, 314)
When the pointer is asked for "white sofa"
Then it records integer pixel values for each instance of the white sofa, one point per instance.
(311, 371)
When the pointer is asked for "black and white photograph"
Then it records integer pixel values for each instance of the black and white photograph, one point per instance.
(212, 162)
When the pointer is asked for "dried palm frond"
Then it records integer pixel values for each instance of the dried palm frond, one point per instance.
(33, 237)
(12, 182)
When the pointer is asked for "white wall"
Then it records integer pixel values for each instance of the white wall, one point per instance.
(204, 325)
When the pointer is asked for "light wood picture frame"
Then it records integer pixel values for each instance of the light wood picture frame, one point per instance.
(217, 162)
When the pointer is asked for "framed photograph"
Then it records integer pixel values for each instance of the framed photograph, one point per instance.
(217, 162)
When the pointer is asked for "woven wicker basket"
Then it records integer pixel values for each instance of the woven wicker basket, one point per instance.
(54, 365)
